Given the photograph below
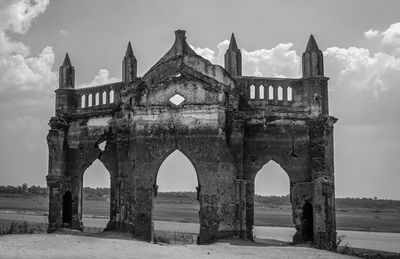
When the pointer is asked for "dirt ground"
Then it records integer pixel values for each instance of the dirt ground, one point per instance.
(74, 246)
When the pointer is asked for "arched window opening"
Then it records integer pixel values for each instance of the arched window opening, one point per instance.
(271, 92)
(83, 99)
(271, 201)
(261, 91)
(97, 99)
(67, 209)
(289, 94)
(95, 198)
(307, 222)
(90, 100)
(252, 92)
(104, 97)
(112, 96)
(175, 192)
(280, 93)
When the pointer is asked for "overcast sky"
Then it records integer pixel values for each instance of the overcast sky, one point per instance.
(360, 40)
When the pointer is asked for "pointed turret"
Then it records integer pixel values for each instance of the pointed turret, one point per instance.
(313, 60)
(66, 62)
(129, 65)
(232, 43)
(67, 74)
(233, 58)
(312, 44)
(129, 51)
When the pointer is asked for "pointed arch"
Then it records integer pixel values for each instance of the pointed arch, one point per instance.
(289, 94)
(97, 99)
(104, 97)
(261, 92)
(98, 203)
(252, 92)
(83, 100)
(90, 100)
(111, 96)
(280, 93)
(270, 92)
(176, 174)
(271, 197)
(272, 179)
(178, 157)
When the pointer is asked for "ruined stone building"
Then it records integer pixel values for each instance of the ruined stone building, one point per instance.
(228, 125)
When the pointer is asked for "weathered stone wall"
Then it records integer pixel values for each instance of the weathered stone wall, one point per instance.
(227, 134)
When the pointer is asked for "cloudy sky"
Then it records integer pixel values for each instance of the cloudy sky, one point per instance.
(360, 40)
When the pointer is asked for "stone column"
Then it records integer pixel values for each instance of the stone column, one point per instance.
(75, 185)
(322, 171)
(54, 183)
(143, 213)
(240, 186)
(56, 168)
(300, 192)
(250, 209)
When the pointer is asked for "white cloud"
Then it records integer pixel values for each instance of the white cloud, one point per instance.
(279, 61)
(362, 83)
(371, 33)
(392, 34)
(102, 77)
(361, 70)
(27, 83)
(205, 53)
(23, 78)
(65, 32)
(17, 15)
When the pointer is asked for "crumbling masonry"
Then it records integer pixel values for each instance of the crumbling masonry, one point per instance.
(228, 125)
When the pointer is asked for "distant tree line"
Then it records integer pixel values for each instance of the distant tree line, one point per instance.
(96, 194)
(23, 189)
(90, 193)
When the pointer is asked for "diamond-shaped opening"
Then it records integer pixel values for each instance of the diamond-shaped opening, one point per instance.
(177, 99)
(102, 146)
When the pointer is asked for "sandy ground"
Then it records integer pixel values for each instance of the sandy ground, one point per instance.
(74, 246)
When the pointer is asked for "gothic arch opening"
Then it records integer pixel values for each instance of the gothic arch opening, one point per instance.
(272, 205)
(307, 222)
(67, 209)
(176, 205)
(95, 198)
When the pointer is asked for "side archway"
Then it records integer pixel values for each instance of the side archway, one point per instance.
(95, 197)
(272, 204)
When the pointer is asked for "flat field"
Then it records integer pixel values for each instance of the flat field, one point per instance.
(358, 219)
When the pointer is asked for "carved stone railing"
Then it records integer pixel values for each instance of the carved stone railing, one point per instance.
(262, 92)
(98, 97)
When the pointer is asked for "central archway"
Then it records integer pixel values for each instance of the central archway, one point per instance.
(176, 206)
(272, 206)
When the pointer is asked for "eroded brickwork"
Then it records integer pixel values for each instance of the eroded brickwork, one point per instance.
(228, 125)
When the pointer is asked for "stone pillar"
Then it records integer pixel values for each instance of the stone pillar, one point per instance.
(235, 130)
(143, 213)
(322, 171)
(75, 185)
(250, 209)
(56, 168)
(300, 192)
(240, 197)
(54, 183)
(209, 216)
(113, 203)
